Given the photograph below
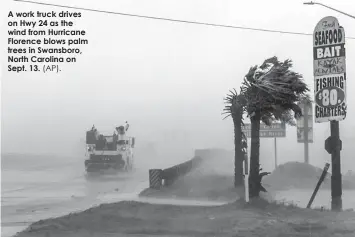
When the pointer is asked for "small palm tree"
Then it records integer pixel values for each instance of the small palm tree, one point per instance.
(235, 108)
(271, 92)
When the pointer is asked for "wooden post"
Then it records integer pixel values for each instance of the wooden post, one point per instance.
(336, 180)
(324, 173)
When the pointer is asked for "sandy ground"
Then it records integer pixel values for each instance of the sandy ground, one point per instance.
(132, 218)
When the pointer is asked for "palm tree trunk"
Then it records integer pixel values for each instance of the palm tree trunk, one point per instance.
(254, 182)
(238, 155)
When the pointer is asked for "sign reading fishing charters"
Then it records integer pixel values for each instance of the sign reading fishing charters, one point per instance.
(329, 70)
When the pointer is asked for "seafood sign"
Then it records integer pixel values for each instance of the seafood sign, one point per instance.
(329, 72)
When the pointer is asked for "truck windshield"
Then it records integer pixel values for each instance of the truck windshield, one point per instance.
(109, 139)
(122, 142)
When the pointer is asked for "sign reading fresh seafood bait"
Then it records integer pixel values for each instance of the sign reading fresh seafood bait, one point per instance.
(329, 70)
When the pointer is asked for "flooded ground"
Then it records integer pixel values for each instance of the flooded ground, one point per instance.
(323, 199)
(33, 192)
(35, 188)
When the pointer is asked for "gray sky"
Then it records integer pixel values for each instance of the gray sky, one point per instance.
(166, 77)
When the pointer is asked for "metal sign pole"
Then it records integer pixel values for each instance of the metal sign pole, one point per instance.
(305, 132)
(275, 143)
(246, 177)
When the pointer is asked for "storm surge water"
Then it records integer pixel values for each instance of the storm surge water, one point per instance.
(28, 177)
(35, 187)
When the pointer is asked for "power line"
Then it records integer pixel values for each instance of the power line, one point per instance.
(172, 20)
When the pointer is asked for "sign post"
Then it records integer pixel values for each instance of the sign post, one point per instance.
(330, 91)
(275, 145)
(306, 151)
(246, 176)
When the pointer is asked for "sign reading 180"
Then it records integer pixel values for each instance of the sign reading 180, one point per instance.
(329, 70)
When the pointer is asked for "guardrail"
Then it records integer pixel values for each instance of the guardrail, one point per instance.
(166, 177)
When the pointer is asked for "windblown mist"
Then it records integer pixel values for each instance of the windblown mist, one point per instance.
(166, 79)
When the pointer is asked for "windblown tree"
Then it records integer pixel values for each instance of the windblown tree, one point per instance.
(271, 92)
(235, 108)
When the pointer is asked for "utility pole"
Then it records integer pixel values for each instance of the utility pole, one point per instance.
(305, 131)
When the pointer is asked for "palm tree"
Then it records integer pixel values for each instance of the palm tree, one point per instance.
(235, 107)
(271, 92)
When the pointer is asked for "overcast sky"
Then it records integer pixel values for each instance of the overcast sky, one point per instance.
(166, 77)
